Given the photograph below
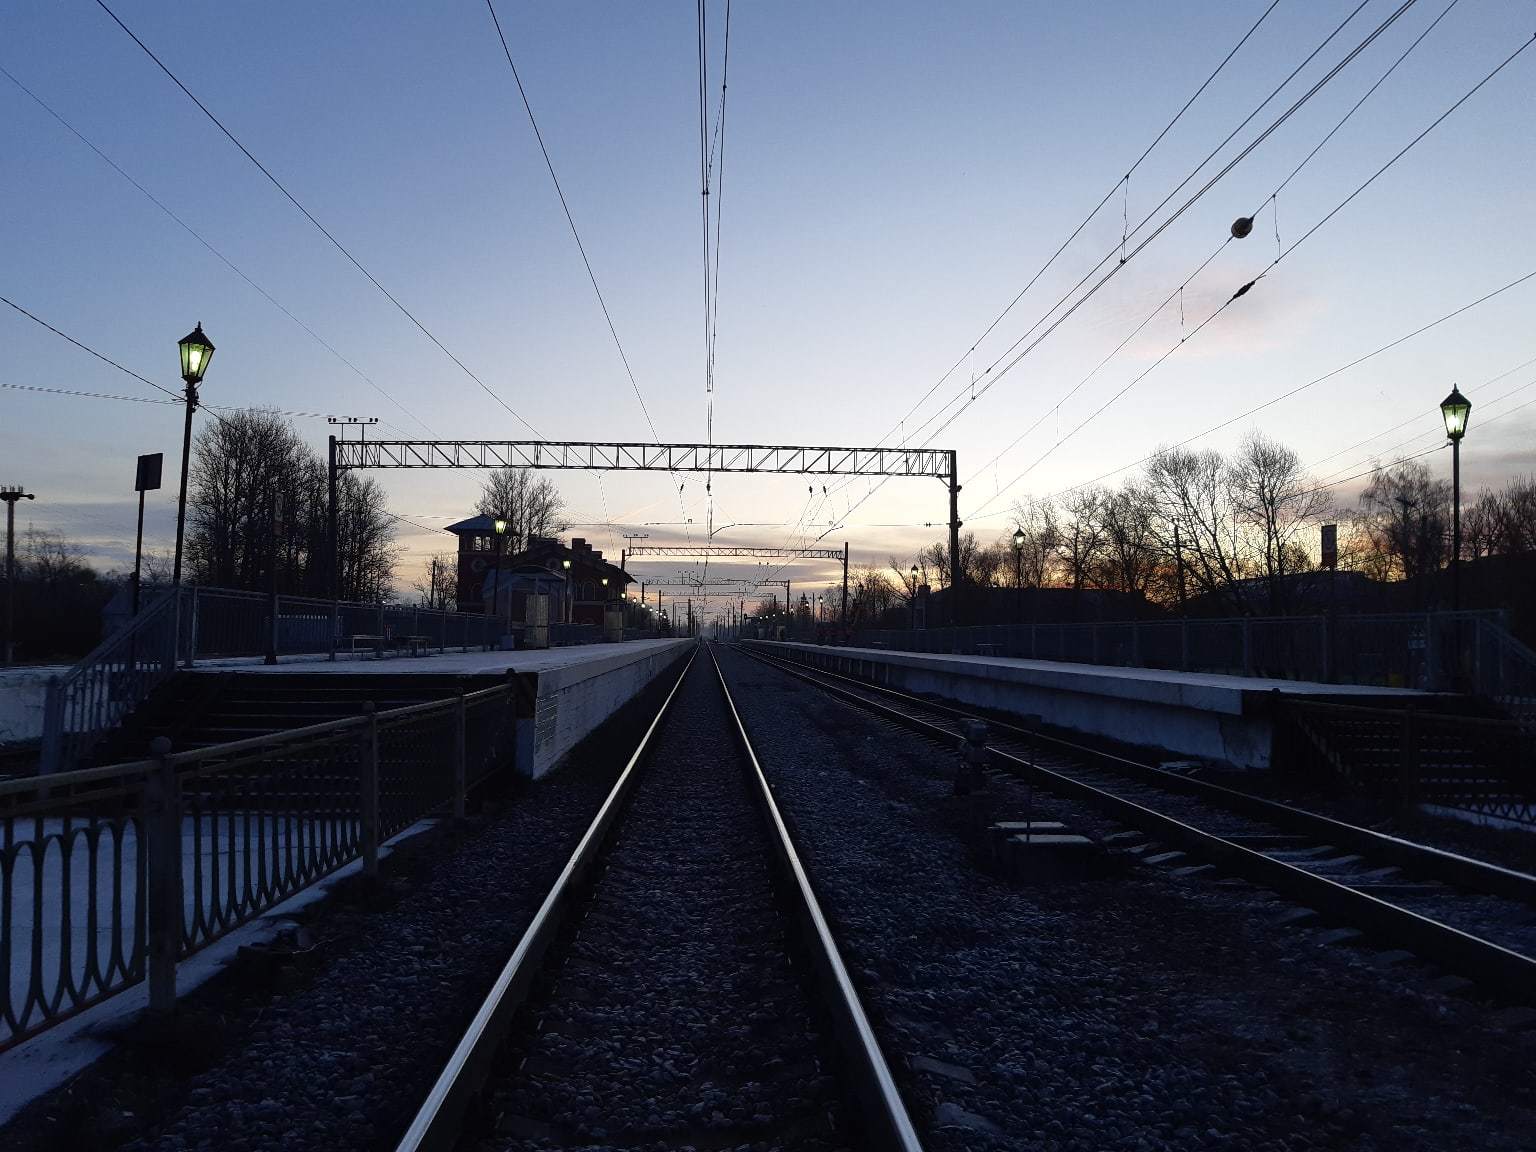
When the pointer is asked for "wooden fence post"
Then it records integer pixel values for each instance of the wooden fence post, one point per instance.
(162, 842)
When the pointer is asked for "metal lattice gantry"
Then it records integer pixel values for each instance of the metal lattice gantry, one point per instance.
(736, 552)
(587, 455)
(783, 459)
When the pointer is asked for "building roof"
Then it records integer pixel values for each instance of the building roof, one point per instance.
(473, 524)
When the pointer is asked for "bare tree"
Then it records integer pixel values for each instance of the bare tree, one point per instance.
(1080, 536)
(1406, 514)
(531, 505)
(257, 501)
(870, 594)
(1502, 522)
(437, 584)
(1276, 501)
(1036, 521)
(1131, 555)
(1195, 503)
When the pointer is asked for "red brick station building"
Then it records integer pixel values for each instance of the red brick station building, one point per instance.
(577, 578)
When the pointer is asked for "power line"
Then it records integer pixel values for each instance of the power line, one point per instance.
(1163, 226)
(157, 400)
(1272, 198)
(570, 219)
(337, 244)
(87, 348)
(1123, 181)
(1250, 284)
(1175, 215)
(225, 260)
(1312, 383)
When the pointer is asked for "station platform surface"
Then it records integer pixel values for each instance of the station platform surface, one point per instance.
(449, 663)
(568, 691)
(1202, 714)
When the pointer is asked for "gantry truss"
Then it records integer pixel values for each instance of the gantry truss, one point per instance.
(740, 552)
(781, 458)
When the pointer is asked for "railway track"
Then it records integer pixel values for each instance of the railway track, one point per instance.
(679, 985)
(1475, 919)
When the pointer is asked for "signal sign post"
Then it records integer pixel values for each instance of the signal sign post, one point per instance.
(147, 479)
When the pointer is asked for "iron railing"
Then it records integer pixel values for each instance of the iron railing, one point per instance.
(110, 876)
(1482, 765)
(175, 629)
(1437, 651)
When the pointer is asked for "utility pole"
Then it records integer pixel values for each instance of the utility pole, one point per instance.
(956, 577)
(332, 530)
(845, 585)
(10, 494)
(1178, 560)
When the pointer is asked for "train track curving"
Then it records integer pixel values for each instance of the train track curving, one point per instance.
(1475, 919)
(679, 986)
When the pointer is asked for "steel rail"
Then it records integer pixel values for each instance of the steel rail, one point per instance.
(435, 1127)
(1436, 863)
(1510, 973)
(887, 1124)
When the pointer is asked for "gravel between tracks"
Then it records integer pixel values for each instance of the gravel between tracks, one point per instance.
(339, 1058)
(1146, 1012)
(675, 1017)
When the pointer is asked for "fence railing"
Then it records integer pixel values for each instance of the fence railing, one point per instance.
(1485, 766)
(177, 629)
(110, 876)
(1438, 651)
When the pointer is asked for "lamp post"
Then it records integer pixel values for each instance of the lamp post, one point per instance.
(10, 494)
(196, 351)
(565, 566)
(1018, 577)
(500, 528)
(912, 600)
(1455, 409)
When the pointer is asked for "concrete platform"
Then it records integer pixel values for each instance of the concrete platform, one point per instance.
(1220, 718)
(569, 691)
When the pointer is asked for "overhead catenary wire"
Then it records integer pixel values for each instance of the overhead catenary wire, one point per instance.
(1270, 267)
(308, 215)
(960, 396)
(38, 388)
(1178, 292)
(201, 239)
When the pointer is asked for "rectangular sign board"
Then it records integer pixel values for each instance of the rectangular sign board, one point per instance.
(1330, 545)
(148, 477)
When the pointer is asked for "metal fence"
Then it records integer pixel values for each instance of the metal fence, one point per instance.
(1485, 766)
(1438, 651)
(109, 876)
(209, 623)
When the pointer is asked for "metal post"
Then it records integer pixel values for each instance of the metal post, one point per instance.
(1178, 559)
(845, 585)
(956, 577)
(162, 828)
(460, 770)
(333, 573)
(1408, 783)
(368, 783)
(138, 556)
(191, 655)
(10, 574)
(271, 656)
(1456, 524)
(181, 501)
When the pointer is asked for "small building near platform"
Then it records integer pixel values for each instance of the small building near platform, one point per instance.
(581, 583)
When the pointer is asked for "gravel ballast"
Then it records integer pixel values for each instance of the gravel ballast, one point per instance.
(337, 1051)
(675, 1016)
(1148, 1011)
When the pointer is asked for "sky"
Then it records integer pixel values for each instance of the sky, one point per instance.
(892, 176)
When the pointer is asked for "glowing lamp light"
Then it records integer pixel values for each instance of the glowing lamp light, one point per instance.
(196, 351)
(1455, 408)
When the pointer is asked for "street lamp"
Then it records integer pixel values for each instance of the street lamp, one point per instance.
(1018, 582)
(1455, 409)
(196, 351)
(565, 564)
(11, 493)
(500, 528)
(912, 599)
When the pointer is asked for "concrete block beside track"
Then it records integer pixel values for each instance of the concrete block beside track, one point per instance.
(1220, 718)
